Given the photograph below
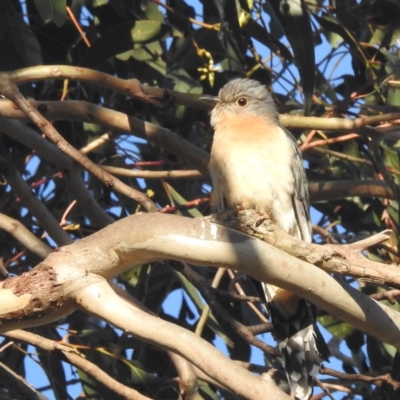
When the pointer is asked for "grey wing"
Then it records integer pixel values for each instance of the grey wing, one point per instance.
(297, 336)
(301, 199)
(217, 197)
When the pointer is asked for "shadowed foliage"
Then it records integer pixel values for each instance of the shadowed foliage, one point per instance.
(319, 59)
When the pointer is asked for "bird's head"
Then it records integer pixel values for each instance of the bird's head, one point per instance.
(243, 96)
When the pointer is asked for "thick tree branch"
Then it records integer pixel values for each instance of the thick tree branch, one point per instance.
(162, 97)
(342, 259)
(334, 190)
(188, 383)
(101, 301)
(24, 236)
(91, 113)
(74, 276)
(47, 292)
(187, 377)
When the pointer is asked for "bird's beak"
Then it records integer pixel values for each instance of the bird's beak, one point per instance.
(210, 99)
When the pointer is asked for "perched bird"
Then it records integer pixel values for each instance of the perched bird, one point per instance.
(256, 164)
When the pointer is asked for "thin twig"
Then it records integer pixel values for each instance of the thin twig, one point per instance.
(206, 310)
(10, 90)
(389, 295)
(78, 361)
(376, 380)
(173, 174)
(221, 314)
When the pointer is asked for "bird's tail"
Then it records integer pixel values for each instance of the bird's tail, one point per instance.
(293, 320)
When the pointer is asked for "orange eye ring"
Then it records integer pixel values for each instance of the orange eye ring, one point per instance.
(242, 101)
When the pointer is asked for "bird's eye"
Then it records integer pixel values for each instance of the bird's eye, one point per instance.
(242, 101)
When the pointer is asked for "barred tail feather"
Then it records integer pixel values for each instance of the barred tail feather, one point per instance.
(301, 362)
(293, 321)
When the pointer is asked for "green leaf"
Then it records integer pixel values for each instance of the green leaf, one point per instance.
(175, 197)
(52, 10)
(178, 79)
(192, 292)
(183, 52)
(55, 373)
(325, 87)
(132, 276)
(377, 353)
(150, 31)
(393, 97)
(295, 21)
(179, 17)
(206, 389)
(152, 12)
(230, 34)
(18, 42)
(148, 63)
(391, 156)
(336, 327)
(396, 366)
(124, 37)
(89, 385)
(393, 64)
(139, 376)
(334, 38)
(25, 43)
(256, 31)
(332, 26)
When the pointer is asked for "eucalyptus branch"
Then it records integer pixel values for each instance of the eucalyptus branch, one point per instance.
(9, 89)
(222, 315)
(67, 353)
(342, 259)
(161, 97)
(48, 291)
(376, 380)
(22, 190)
(183, 149)
(71, 171)
(115, 120)
(24, 236)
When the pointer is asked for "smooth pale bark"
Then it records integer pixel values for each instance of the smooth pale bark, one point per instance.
(76, 276)
(144, 238)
